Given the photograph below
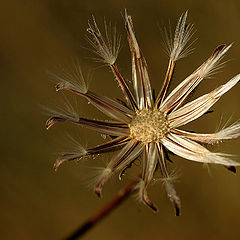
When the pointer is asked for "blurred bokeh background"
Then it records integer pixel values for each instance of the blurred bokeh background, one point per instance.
(38, 203)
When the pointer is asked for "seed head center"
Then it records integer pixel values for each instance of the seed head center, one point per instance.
(148, 126)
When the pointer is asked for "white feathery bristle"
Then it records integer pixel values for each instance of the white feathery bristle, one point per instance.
(102, 179)
(76, 146)
(213, 65)
(231, 132)
(173, 176)
(140, 187)
(106, 46)
(77, 152)
(178, 46)
(221, 158)
(193, 151)
(70, 77)
(91, 178)
(66, 110)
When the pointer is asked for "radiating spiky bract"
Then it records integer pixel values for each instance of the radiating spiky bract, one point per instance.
(144, 127)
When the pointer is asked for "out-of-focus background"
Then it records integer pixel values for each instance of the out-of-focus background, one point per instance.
(38, 203)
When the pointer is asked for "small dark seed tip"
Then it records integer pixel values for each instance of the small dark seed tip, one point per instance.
(148, 202)
(154, 208)
(219, 49)
(232, 169)
(177, 211)
(98, 191)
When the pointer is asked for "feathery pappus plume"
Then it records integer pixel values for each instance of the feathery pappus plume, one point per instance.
(145, 127)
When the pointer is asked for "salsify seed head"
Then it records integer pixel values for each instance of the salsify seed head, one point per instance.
(146, 128)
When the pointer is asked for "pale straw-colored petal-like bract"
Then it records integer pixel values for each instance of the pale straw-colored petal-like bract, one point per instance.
(143, 126)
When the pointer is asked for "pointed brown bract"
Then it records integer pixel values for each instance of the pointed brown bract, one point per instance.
(147, 201)
(141, 82)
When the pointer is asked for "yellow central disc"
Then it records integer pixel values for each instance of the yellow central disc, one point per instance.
(148, 126)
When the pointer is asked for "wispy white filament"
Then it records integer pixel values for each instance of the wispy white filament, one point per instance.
(106, 46)
(178, 46)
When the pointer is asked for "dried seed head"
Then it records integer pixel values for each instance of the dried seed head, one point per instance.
(149, 126)
(144, 128)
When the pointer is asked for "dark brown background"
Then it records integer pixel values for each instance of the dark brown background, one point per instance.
(37, 203)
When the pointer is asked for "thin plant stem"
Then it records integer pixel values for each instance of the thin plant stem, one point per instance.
(103, 212)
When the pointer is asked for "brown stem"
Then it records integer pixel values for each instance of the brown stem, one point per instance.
(124, 86)
(110, 206)
(168, 77)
